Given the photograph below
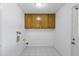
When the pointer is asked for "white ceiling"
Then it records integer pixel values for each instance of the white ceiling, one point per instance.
(48, 8)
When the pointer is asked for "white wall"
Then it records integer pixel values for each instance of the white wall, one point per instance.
(0, 32)
(12, 21)
(40, 37)
(63, 29)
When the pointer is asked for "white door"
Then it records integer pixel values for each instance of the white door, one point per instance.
(75, 31)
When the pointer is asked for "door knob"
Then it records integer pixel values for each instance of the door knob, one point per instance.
(73, 43)
(73, 39)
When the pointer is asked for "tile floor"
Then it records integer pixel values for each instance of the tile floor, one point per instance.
(40, 51)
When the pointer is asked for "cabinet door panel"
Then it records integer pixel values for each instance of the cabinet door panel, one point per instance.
(51, 20)
(44, 21)
(28, 21)
(35, 21)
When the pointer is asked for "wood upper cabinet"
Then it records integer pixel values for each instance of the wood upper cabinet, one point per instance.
(42, 21)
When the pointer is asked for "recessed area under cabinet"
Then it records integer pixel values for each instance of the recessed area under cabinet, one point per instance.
(39, 21)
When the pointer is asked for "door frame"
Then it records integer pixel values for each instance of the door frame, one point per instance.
(76, 6)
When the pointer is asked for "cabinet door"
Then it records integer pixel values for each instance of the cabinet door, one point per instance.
(51, 20)
(44, 21)
(36, 19)
(28, 21)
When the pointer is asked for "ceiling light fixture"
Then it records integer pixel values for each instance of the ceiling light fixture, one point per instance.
(39, 4)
